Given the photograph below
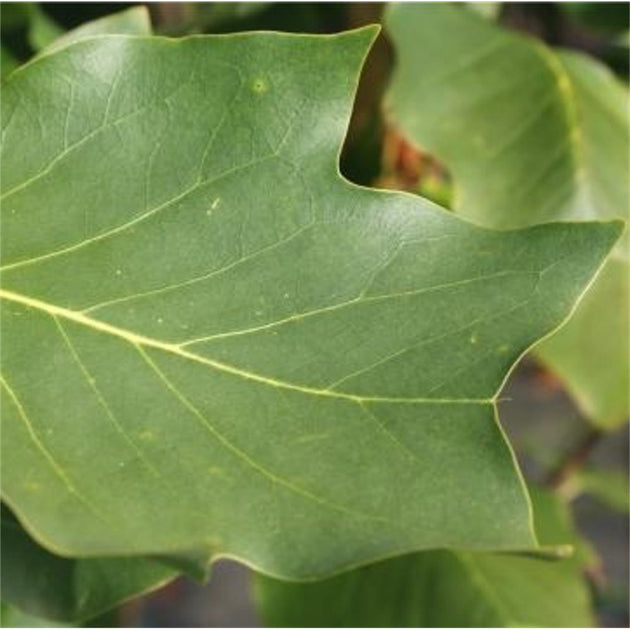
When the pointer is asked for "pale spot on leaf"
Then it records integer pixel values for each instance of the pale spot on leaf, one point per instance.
(259, 85)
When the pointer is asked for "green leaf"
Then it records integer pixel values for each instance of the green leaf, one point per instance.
(443, 589)
(589, 354)
(11, 617)
(42, 584)
(217, 14)
(45, 35)
(608, 486)
(213, 345)
(531, 135)
(134, 21)
(42, 30)
(8, 62)
(487, 10)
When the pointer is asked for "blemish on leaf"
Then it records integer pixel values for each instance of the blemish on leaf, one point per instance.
(147, 435)
(312, 438)
(474, 338)
(213, 543)
(214, 206)
(216, 471)
(259, 85)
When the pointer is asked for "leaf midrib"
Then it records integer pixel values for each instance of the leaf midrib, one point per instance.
(140, 341)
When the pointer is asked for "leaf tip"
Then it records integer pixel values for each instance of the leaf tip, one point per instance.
(364, 36)
(618, 226)
(611, 233)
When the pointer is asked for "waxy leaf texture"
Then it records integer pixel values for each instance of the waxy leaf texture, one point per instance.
(213, 345)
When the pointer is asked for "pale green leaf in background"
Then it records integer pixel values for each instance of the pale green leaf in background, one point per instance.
(11, 617)
(608, 486)
(531, 135)
(444, 589)
(134, 21)
(590, 352)
(45, 36)
(213, 345)
(42, 29)
(42, 584)
(487, 10)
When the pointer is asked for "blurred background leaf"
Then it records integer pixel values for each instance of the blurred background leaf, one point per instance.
(49, 586)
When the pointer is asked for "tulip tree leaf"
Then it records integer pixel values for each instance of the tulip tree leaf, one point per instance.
(213, 345)
(444, 589)
(531, 135)
(42, 584)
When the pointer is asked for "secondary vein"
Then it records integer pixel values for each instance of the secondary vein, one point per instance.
(48, 456)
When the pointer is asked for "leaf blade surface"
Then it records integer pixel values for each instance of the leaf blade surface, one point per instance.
(236, 352)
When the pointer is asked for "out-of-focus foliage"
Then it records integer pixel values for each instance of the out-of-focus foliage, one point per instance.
(609, 18)
(8, 62)
(530, 135)
(609, 487)
(445, 588)
(12, 617)
(134, 21)
(49, 586)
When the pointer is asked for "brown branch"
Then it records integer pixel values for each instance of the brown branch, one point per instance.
(574, 459)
